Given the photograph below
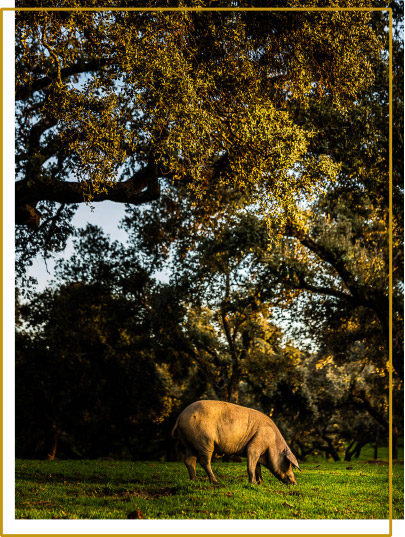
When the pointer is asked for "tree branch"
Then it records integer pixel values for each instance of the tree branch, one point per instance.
(323, 290)
(23, 92)
(360, 400)
(333, 259)
(375, 300)
(142, 187)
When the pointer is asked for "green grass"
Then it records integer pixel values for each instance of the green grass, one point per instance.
(100, 489)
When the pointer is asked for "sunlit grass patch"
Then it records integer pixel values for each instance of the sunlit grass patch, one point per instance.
(159, 490)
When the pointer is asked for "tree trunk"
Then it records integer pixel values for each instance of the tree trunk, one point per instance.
(358, 448)
(51, 442)
(331, 450)
(349, 452)
(394, 443)
(302, 452)
(174, 450)
(333, 453)
(233, 392)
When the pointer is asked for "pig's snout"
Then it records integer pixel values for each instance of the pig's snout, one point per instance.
(289, 479)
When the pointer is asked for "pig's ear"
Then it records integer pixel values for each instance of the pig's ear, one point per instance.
(291, 457)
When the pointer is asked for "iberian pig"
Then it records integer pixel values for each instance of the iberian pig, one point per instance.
(207, 426)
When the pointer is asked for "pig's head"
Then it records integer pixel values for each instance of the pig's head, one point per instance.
(284, 467)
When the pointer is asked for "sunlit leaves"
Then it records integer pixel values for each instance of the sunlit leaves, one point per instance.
(210, 97)
(97, 136)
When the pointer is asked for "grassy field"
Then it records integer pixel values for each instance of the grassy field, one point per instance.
(101, 489)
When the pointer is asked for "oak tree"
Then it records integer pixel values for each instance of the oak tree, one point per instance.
(110, 102)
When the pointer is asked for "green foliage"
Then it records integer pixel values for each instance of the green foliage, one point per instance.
(156, 490)
(209, 97)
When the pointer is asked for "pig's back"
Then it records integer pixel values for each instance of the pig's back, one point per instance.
(227, 426)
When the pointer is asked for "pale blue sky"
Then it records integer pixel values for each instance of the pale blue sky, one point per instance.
(106, 214)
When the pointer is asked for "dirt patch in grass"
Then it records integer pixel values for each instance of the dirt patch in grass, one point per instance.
(295, 493)
(45, 503)
(126, 495)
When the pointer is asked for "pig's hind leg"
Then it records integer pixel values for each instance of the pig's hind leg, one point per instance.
(204, 458)
(190, 458)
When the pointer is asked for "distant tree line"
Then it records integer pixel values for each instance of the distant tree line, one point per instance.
(107, 356)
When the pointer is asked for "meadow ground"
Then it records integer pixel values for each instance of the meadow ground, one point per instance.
(101, 489)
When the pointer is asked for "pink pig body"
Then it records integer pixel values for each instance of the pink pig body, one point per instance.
(205, 427)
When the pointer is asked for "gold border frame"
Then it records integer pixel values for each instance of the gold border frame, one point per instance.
(1, 268)
(203, 9)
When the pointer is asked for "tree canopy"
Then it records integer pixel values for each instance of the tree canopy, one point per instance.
(109, 102)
